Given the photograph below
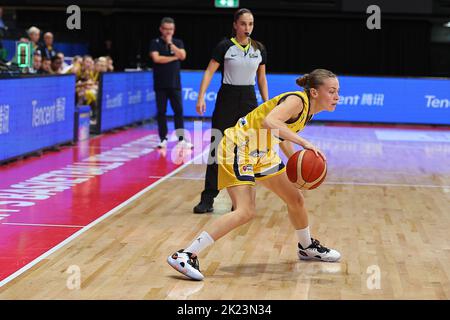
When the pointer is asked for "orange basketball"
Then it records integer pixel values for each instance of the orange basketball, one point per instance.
(306, 170)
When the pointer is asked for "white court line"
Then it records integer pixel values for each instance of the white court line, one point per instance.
(388, 144)
(373, 184)
(41, 225)
(345, 183)
(93, 223)
(179, 178)
(90, 147)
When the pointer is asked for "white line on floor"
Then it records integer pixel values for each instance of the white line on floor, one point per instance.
(41, 225)
(346, 183)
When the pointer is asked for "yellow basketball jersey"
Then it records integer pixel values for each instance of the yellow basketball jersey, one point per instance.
(249, 128)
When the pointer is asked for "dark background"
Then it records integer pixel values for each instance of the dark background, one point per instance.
(299, 35)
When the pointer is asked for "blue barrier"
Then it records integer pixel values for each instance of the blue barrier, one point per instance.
(125, 98)
(363, 99)
(35, 113)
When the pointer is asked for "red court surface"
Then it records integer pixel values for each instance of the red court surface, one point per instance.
(46, 200)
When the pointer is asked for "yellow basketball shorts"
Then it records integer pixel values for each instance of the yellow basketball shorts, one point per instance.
(239, 165)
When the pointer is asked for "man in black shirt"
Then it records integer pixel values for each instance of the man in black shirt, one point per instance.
(47, 49)
(166, 53)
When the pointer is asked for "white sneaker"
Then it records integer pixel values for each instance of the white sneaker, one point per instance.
(183, 144)
(162, 144)
(185, 263)
(316, 251)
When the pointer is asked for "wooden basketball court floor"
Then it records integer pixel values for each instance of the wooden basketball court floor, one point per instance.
(385, 205)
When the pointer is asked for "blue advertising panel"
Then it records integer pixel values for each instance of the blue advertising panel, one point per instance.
(362, 99)
(35, 113)
(190, 82)
(126, 97)
(392, 100)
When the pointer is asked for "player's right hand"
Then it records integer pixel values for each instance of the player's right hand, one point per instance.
(201, 107)
(315, 150)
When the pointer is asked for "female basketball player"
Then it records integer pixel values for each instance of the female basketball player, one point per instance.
(242, 161)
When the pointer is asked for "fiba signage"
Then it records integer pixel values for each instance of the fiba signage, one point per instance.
(35, 113)
(125, 98)
(362, 99)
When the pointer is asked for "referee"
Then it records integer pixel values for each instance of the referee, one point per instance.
(242, 60)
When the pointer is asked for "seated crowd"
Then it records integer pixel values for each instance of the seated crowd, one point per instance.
(48, 61)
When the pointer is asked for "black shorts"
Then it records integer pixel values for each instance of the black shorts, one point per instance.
(233, 102)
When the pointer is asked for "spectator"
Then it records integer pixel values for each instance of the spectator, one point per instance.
(87, 69)
(77, 60)
(99, 67)
(109, 64)
(34, 34)
(45, 68)
(55, 65)
(75, 67)
(64, 65)
(87, 86)
(92, 86)
(37, 64)
(47, 50)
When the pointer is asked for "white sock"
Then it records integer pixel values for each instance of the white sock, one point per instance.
(203, 241)
(304, 237)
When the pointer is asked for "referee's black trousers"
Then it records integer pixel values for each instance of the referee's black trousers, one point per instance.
(233, 102)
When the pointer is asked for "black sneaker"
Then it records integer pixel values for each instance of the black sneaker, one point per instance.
(316, 251)
(203, 207)
(186, 263)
